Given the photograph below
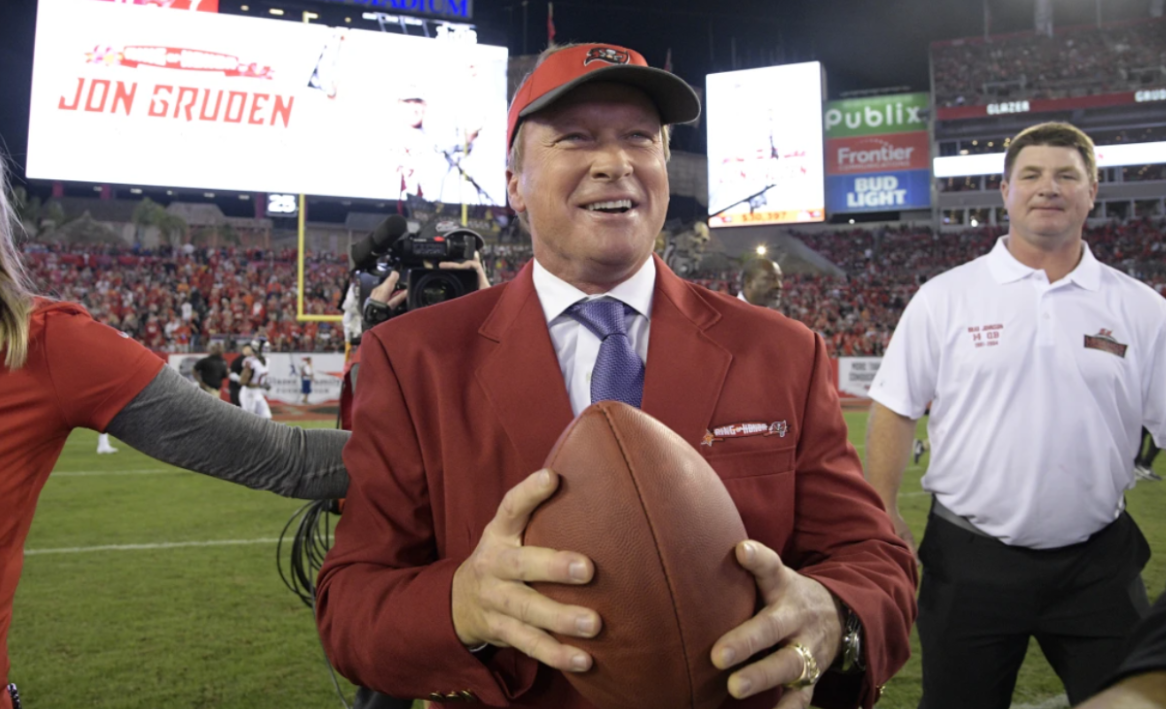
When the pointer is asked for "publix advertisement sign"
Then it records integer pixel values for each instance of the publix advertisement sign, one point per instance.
(878, 154)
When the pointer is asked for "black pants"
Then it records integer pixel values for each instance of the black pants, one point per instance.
(1148, 451)
(981, 600)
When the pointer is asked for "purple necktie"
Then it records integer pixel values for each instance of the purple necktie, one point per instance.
(618, 373)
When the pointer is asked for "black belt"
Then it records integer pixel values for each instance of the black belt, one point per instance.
(15, 696)
(938, 509)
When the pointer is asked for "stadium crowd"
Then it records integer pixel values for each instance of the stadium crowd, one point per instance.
(1072, 62)
(181, 299)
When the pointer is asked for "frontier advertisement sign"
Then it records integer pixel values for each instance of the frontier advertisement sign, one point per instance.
(877, 154)
(127, 94)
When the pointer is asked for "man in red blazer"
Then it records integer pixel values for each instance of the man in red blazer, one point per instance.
(424, 593)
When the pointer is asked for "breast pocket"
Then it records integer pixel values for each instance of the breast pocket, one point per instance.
(761, 483)
(759, 457)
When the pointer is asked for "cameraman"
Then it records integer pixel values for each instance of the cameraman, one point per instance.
(389, 303)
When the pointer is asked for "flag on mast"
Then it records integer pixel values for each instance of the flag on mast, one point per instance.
(550, 23)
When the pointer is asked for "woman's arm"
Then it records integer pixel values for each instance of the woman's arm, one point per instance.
(178, 424)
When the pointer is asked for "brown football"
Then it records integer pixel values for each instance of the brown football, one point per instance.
(660, 527)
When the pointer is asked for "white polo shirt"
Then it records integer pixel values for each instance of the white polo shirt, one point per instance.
(1038, 392)
(576, 347)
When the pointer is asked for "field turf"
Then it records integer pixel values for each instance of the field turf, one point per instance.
(148, 587)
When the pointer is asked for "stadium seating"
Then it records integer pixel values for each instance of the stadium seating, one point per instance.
(180, 299)
(1075, 61)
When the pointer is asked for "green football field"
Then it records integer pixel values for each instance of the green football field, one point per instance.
(148, 587)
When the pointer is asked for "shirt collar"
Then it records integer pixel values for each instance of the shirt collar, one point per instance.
(1006, 269)
(556, 295)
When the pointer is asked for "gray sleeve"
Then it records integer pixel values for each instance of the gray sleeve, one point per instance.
(179, 424)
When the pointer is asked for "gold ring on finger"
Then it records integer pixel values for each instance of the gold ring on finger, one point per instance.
(810, 672)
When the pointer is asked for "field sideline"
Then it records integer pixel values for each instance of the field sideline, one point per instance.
(148, 587)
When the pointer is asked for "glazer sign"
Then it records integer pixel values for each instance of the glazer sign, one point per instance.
(996, 109)
(901, 113)
(460, 9)
(1150, 95)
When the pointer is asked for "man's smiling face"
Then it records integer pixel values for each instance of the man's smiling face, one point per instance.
(594, 184)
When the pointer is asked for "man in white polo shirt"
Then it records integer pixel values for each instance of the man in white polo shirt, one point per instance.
(1041, 365)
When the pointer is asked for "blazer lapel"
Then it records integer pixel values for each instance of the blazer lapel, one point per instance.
(686, 369)
(521, 377)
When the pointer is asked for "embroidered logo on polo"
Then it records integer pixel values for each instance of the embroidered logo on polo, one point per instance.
(1104, 341)
(744, 430)
(607, 54)
(986, 335)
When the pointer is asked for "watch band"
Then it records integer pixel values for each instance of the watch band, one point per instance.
(850, 659)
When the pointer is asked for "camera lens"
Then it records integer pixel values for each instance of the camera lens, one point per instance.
(438, 287)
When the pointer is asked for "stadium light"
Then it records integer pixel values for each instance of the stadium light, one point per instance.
(244, 196)
(208, 195)
(309, 16)
(244, 8)
(761, 250)
(276, 11)
(851, 221)
(135, 190)
(975, 222)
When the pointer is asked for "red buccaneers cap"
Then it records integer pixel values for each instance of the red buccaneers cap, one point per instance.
(574, 66)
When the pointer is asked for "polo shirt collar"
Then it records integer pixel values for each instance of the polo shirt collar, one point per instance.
(1006, 269)
(556, 295)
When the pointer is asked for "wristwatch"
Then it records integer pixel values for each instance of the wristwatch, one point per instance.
(850, 659)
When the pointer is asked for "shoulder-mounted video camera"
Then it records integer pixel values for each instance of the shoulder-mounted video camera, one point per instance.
(390, 247)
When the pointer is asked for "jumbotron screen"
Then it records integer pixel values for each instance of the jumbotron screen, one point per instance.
(765, 146)
(130, 94)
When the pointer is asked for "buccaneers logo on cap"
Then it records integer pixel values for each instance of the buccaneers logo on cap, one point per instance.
(606, 54)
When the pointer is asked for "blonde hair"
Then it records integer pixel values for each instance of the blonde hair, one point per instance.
(15, 293)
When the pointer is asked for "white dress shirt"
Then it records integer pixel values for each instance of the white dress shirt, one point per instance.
(1038, 392)
(577, 347)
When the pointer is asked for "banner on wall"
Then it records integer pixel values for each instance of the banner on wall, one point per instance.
(855, 375)
(285, 375)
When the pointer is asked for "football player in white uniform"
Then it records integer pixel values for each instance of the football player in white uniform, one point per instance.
(254, 382)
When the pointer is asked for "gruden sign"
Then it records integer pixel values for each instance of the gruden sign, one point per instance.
(126, 94)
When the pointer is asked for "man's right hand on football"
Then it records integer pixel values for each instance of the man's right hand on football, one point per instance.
(491, 601)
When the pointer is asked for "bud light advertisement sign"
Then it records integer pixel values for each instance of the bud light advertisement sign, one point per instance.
(886, 192)
(878, 154)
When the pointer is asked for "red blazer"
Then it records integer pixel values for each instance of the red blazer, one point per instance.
(457, 403)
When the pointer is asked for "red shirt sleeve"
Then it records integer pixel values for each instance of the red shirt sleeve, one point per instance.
(95, 369)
